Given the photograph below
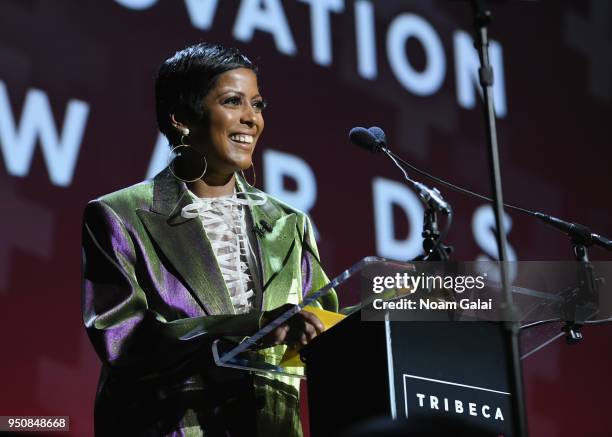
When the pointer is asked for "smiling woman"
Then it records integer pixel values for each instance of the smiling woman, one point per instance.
(173, 263)
(234, 121)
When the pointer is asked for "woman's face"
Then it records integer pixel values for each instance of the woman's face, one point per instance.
(233, 122)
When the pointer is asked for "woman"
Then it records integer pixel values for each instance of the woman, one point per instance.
(193, 255)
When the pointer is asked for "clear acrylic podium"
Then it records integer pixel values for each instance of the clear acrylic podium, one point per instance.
(446, 367)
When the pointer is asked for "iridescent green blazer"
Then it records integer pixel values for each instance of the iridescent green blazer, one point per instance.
(154, 300)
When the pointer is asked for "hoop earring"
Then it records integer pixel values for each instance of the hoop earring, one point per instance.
(254, 176)
(187, 161)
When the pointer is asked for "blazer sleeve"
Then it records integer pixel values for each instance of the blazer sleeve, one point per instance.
(313, 276)
(126, 333)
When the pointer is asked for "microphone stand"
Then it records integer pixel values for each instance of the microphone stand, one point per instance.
(482, 18)
(433, 247)
(585, 293)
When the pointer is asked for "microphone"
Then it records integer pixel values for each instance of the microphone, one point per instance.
(267, 226)
(362, 137)
(261, 230)
(578, 232)
(375, 140)
(379, 134)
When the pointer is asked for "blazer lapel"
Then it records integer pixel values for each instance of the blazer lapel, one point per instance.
(185, 245)
(275, 247)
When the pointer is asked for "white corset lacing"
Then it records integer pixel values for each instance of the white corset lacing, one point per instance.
(225, 225)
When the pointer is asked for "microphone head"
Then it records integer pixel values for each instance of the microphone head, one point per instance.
(362, 137)
(379, 134)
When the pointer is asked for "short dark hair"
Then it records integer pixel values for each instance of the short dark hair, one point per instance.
(186, 78)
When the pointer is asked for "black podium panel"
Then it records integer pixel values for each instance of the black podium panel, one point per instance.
(347, 376)
(454, 375)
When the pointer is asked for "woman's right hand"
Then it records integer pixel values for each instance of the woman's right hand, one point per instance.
(299, 329)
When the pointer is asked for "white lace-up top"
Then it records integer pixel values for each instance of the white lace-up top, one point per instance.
(224, 222)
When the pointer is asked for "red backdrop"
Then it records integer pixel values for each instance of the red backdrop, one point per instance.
(77, 121)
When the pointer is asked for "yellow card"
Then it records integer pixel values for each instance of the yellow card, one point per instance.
(291, 358)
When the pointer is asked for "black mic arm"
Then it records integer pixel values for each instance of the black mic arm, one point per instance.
(575, 230)
(431, 197)
(579, 233)
(433, 246)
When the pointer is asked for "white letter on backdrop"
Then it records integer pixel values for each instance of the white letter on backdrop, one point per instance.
(320, 28)
(365, 33)
(422, 83)
(136, 4)
(387, 193)
(60, 152)
(271, 19)
(278, 165)
(159, 160)
(201, 12)
(466, 72)
(483, 228)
